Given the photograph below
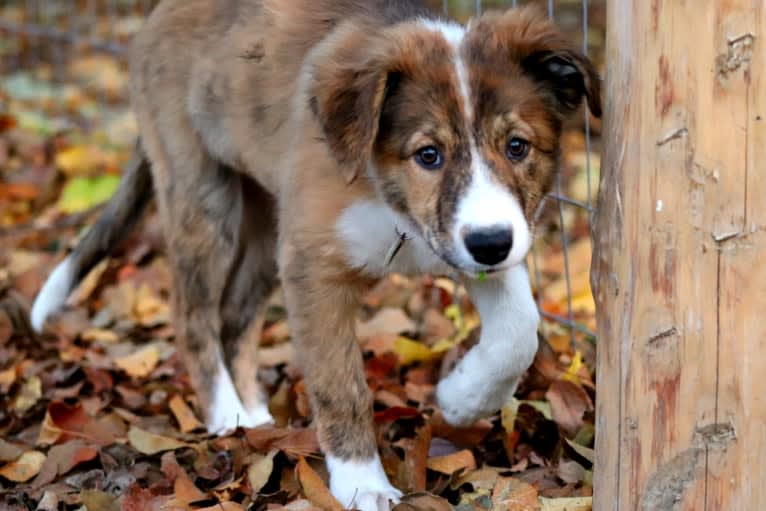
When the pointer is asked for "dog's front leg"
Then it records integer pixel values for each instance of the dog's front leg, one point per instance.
(487, 376)
(321, 314)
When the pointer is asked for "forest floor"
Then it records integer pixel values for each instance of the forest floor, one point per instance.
(97, 413)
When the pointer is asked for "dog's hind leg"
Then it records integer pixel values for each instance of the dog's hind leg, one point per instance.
(252, 279)
(200, 205)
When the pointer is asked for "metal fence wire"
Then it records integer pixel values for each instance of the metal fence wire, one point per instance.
(51, 34)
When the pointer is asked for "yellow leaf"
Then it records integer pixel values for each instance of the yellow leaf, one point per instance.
(140, 363)
(186, 419)
(24, 468)
(571, 374)
(452, 463)
(28, 395)
(410, 351)
(81, 160)
(567, 504)
(443, 345)
(150, 443)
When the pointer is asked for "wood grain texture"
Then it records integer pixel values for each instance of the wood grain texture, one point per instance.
(679, 233)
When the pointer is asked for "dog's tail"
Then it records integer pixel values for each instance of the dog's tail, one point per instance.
(118, 218)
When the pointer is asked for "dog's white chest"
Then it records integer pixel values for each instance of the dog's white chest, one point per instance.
(381, 241)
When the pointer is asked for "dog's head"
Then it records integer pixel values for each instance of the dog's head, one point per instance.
(457, 128)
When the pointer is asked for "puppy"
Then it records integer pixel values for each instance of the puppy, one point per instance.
(307, 139)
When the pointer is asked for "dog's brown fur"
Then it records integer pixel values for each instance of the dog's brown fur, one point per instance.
(260, 119)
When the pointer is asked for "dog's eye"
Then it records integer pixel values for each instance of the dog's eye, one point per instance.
(429, 158)
(517, 149)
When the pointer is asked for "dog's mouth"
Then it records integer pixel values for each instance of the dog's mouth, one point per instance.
(474, 271)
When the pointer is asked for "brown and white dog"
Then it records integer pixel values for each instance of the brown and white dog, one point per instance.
(303, 139)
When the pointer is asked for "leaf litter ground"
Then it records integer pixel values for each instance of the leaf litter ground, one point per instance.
(97, 413)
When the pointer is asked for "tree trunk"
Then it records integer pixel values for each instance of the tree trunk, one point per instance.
(679, 231)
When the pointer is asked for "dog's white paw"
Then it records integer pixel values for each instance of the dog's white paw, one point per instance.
(227, 413)
(465, 398)
(361, 485)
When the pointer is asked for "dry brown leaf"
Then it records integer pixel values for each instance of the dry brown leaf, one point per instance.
(512, 494)
(63, 458)
(187, 421)
(140, 363)
(569, 402)
(9, 451)
(293, 441)
(140, 499)
(452, 463)
(24, 468)
(260, 469)
(150, 443)
(314, 488)
(186, 491)
(422, 501)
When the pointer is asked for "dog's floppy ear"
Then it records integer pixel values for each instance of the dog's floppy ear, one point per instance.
(527, 37)
(569, 75)
(346, 95)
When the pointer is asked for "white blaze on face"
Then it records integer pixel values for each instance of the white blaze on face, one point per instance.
(485, 203)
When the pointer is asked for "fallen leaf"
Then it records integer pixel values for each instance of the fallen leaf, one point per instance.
(567, 504)
(141, 499)
(95, 500)
(82, 193)
(31, 392)
(410, 351)
(9, 451)
(422, 501)
(63, 458)
(568, 402)
(223, 506)
(451, 463)
(259, 471)
(100, 335)
(293, 441)
(7, 377)
(150, 443)
(184, 415)
(24, 468)
(140, 363)
(314, 488)
(512, 494)
(49, 502)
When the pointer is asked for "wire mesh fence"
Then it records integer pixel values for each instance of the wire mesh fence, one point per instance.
(60, 48)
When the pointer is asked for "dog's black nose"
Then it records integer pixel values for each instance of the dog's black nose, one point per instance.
(489, 246)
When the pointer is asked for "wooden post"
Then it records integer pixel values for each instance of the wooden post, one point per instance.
(679, 268)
